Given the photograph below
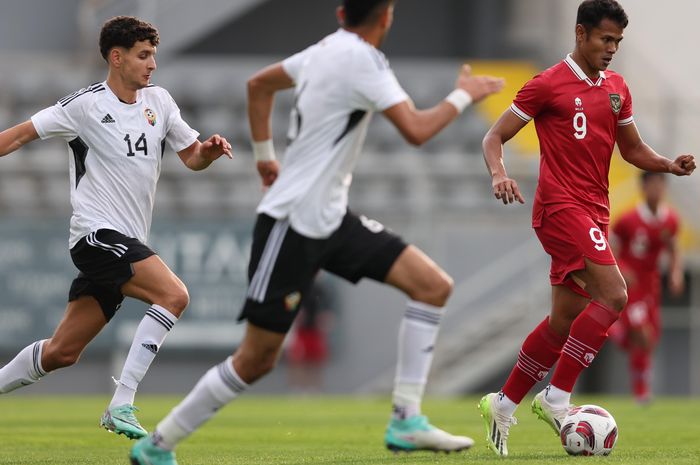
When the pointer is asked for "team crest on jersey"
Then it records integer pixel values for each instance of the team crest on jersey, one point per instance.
(150, 116)
(615, 103)
(291, 301)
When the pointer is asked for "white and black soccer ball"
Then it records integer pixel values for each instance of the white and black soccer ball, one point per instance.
(589, 430)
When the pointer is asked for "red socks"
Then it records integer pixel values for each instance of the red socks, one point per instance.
(640, 365)
(587, 335)
(538, 354)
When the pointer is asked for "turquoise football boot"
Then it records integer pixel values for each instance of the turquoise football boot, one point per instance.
(415, 433)
(121, 420)
(145, 452)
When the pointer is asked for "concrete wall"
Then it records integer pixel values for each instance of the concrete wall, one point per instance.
(55, 28)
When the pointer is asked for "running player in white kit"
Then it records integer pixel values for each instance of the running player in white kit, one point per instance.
(304, 223)
(116, 132)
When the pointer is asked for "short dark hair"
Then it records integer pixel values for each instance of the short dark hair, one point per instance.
(647, 175)
(592, 12)
(125, 31)
(359, 12)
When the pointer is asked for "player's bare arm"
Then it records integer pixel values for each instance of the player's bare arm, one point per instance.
(17, 136)
(419, 126)
(635, 151)
(200, 155)
(507, 126)
(262, 87)
(676, 277)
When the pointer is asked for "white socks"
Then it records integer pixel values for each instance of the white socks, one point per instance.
(504, 405)
(555, 396)
(24, 369)
(219, 386)
(148, 338)
(417, 336)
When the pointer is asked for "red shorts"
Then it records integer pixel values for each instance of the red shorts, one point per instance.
(641, 313)
(568, 236)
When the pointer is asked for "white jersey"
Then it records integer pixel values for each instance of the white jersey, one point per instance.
(115, 152)
(340, 82)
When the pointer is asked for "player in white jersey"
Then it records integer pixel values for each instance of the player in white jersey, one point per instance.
(116, 132)
(304, 223)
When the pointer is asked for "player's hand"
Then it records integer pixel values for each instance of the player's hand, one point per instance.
(214, 147)
(683, 165)
(479, 87)
(268, 171)
(506, 189)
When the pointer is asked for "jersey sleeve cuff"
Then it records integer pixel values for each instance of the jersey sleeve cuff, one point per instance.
(287, 66)
(189, 141)
(520, 114)
(398, 97)
(36, 122)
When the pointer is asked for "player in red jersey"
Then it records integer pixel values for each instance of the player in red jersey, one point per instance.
(639, 238)
(580, 110)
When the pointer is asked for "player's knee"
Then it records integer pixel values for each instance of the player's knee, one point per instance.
(617, 300)
(437, 290)
(444, 289)
(177, 300)
(560, 322)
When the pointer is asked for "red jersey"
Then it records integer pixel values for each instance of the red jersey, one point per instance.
(642, 237)
(576, 121)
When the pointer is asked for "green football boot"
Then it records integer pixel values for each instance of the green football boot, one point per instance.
(121, 420)
(548, 413)
(497, 425)
(145, 452)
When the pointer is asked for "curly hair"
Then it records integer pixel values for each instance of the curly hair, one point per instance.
(592, 12)
(125, 31)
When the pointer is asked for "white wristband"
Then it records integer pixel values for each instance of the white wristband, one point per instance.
(264, 150)
(460, 99)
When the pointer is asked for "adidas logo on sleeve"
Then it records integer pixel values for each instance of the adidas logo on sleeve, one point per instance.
(108, 119)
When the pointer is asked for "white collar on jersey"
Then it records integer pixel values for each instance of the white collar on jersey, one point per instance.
(580, 74)
(114, 97)
(649, 217)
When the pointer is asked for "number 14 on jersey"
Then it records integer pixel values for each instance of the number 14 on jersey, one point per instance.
(140, 145)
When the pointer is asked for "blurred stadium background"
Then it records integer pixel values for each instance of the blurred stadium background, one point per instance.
(437, 196)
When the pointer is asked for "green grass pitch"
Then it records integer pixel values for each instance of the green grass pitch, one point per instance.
(331, 430)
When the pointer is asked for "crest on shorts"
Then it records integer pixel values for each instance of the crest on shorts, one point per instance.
(615, 103)
(291, 301)
(150, 116)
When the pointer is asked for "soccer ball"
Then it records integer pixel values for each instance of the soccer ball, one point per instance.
(589, 430)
